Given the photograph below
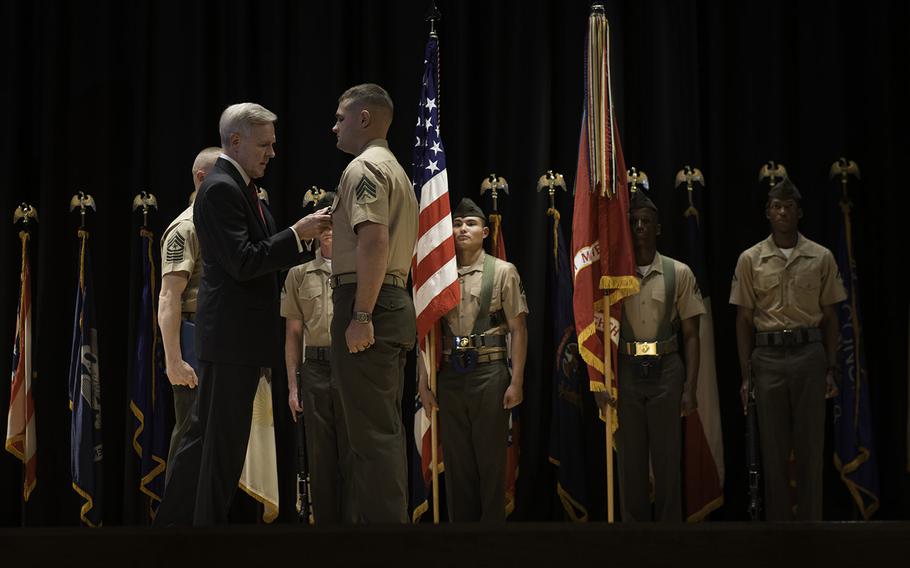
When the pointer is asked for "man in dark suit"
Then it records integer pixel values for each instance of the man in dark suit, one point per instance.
(237, 319)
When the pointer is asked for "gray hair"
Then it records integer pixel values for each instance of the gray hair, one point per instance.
(369, 94)
(206, 158)
(240, 118)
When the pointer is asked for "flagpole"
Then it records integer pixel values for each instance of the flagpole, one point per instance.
(608, 419)
(434, 463)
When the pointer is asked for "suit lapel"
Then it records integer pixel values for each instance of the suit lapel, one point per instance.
(229, 168)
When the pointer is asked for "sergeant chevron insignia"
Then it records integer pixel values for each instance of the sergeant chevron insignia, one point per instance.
(176, 245)
(366, 191)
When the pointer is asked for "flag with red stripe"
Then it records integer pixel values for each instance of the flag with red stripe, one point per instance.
(434, 269)
(21, 440)
(603, 260)
(435, 274)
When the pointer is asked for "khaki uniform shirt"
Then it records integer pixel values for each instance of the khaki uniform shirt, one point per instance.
(180, 253)
(786, 294)
(645, 310)
(508, 295)
(374, 188)
(307, 296)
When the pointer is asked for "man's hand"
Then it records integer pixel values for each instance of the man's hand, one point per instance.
(181, 373)
(831, 389)
(311, 226)
(603, 399)
(359, 336)
(293, 400)
(688, 403)
(427, 399)
(513, 397)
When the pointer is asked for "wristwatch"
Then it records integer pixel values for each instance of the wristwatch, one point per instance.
(363, 317)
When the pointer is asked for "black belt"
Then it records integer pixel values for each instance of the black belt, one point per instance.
(648, 348)
(483, 358)
(351, 278)
(787, 337)
(475, 341)
(318, 353)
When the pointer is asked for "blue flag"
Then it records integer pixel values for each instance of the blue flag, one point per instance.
(854, 448)
(149, 404)
(570, 384)
(85, 395)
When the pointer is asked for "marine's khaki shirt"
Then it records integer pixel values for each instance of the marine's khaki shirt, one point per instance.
(375, 188)
(645, 310)
(786, 294)
(508, 295)
(306, 296)
(180, 253)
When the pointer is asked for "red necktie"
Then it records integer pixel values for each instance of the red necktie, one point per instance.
(255, 195)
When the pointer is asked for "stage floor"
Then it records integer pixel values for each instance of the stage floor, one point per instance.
(736, 545)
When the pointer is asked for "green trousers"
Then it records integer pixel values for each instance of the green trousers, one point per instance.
(790, 398)
(371, 383)
(473, 429)
(326, 441)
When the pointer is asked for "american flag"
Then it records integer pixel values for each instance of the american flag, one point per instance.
(21, 440)
(435, 273)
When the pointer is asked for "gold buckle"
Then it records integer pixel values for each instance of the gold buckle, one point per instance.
(644, 349)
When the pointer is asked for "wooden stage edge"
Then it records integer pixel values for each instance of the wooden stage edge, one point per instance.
(734, 545)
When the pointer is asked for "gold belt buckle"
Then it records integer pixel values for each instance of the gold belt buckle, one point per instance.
(644, 349)
(464, 342)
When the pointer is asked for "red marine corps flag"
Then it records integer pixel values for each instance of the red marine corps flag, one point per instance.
(604, 264)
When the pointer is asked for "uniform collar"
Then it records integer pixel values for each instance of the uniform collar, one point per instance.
(380, 142)
(769, 248)
(243, 174)
(656, 265)
(476, 267)
(321, 263)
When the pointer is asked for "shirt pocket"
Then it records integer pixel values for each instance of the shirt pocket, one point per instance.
(309, 296)
(767, 291)
(806, 291)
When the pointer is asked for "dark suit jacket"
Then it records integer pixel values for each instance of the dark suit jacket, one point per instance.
(237, 318)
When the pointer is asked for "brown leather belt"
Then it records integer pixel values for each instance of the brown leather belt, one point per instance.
(648, 348)
(788, 337)
(351, 278)
(318, 353)
(482, 358)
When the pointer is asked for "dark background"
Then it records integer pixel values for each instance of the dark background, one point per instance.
(116, 97)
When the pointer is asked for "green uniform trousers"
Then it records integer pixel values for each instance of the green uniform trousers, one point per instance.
(326, 441)
(473, 429)
(371, 383)
(649, 427)
(790, 398)
(184, 397)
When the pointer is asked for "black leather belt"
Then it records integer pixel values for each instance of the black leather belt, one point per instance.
(786, 337)
(484, 358)
(351, 278)
(475, 341)
(318, 353)
(648, 348)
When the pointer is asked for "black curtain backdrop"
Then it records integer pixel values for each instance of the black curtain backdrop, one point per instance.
(116, 97)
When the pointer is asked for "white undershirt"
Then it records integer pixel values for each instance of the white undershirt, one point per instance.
(787, 252)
